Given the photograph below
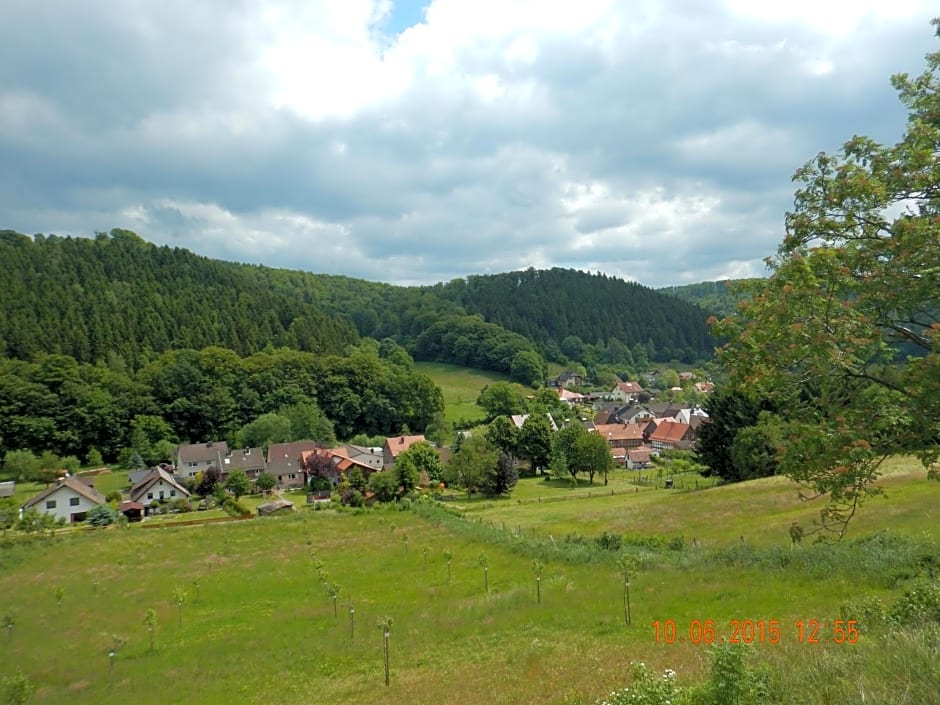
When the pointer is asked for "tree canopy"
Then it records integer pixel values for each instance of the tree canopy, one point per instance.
(844, 334)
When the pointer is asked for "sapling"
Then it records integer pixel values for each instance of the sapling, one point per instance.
(8, 623)
(332, 590)
(628, 567)
(537, 568)
(485, 565)
(427, 551)
(385, 624)
(179, 597)
(59, 596)
(150, 621)
(352, 620)
(448, 556)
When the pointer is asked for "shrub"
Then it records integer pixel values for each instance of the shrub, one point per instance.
(731, 679)
(918, 605)
(646, 689)
(114, 497)
(609, 542)
(352, 498)
(234, 508)
(178, 506)
(102, 515)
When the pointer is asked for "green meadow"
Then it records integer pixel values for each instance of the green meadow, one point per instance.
(461, 387)
(257, 624)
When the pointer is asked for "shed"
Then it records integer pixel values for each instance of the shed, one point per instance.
(276, 506)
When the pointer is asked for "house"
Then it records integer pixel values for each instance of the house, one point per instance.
(396, 446)
(340, 464)
(369, 455)
(518, 420)
(567, 379)
(198, 457)
(286, 462)
(626, 392)
(621, 435)
(672, 434)
(686, 376)
(640, 458)
(157, 486)
(71, 499)
(569, 397)
(248, 460)
(632, 413)
(694, 416)
(704, 387)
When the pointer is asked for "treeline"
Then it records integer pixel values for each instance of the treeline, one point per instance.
(117, 295)
(718, 298)
(547, 306)
(70, 408)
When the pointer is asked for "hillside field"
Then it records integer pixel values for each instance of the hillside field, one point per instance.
(257, 623)
(461, 387)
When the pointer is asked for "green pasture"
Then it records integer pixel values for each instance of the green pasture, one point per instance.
(461, 386)
(262, 629)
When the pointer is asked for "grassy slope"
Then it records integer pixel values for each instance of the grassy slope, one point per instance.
(263, 630)
(461, 387)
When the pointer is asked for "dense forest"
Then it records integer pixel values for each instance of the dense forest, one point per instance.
(117, 295)
(718, 298)
(71, 408)
(547, 306)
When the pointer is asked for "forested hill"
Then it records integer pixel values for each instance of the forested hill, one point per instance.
(550, 306)
(719, 298)
(116, 294)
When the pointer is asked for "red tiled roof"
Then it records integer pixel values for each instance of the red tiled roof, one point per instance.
(670, 432)
(620, 431)
(399, 444)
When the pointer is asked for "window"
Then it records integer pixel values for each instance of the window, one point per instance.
(74, 501)
(292, 476)
(50, 504)
(150, 495)
(172, 493)
(194, 464)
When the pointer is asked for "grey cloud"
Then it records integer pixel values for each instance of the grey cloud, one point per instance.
(152, 108)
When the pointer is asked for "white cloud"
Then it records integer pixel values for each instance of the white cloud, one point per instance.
(653, 140)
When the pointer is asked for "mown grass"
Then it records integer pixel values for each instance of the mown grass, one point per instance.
(263, 629)
(461, 386)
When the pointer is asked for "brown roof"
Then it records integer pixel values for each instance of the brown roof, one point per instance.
(399, 444)
(629, 387)
(640, 455)
(285, 458)
(670, 432)
(150, 479)
(620, 431)
(74, 484)
(201, 452)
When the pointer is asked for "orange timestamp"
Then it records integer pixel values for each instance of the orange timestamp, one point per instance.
(756, 631)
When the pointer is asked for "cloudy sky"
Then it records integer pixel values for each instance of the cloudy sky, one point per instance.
(414, 142)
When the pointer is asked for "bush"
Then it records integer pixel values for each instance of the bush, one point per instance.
(646, 689)
(114, 497)
(102, 515)
(234, 508)
(609, 542)
(731, 679)
(352, 498)
(918, 605)
(180, 505)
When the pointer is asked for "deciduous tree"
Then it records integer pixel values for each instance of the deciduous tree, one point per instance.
(844, 333)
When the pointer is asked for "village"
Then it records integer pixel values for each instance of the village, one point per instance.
(636, 428)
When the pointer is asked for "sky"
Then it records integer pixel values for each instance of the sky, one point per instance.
(414, 142)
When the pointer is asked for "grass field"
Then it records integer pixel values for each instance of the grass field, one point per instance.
(461, 387)
(263, 628)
